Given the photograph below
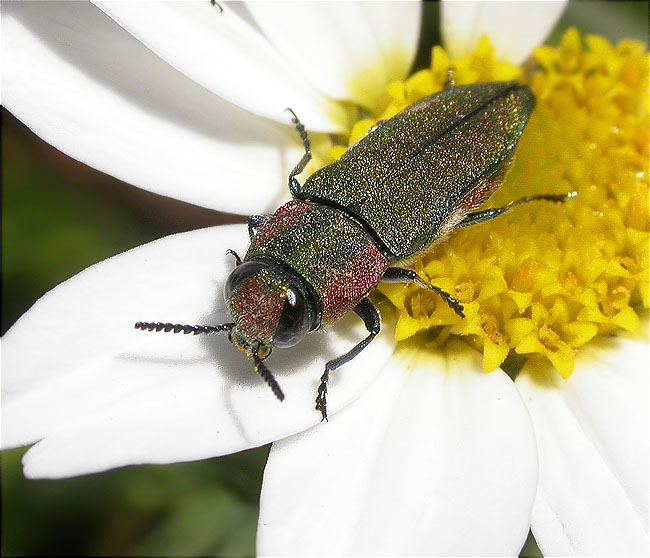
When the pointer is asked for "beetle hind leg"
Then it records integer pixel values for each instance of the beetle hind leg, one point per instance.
(400, 275)
(477, 217)
(368, 313)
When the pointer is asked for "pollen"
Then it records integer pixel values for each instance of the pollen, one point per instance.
(544, 279)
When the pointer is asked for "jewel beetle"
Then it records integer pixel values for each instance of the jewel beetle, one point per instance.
(410, 182)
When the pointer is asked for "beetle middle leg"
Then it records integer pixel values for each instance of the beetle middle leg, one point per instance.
(479, 216)
(294, 186)
(400, 275)
(370, 316)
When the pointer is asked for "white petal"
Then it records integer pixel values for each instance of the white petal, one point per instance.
(514, 28)
(226, 55)
(437, 458)
(592, 435)
(348, 50)
(100, 394)
(86, 86)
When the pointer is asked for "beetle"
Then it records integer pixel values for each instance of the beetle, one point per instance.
(403, 188)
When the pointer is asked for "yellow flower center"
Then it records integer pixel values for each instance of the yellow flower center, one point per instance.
(544, 278)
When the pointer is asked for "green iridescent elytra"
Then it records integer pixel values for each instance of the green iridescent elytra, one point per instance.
(414, 177)
(411, 181)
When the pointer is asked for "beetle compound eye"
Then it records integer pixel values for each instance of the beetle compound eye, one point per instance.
(241, 272)
(294, 320)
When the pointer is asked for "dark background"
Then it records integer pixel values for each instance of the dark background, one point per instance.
(60, 216)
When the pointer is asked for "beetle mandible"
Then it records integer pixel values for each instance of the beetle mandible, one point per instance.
(411, 181)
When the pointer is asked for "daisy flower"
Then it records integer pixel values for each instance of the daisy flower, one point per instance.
(432, 447)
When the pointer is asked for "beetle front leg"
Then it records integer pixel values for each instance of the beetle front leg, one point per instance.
(370, 316)
(400, 275)
(234, 255)
(294, 186)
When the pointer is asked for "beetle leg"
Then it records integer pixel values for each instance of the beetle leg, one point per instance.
(400, 275)
(234, 255)
(255, 222)
(294, 186)
(370, 316)
(449, 81)
(216, 5)
(479, 216)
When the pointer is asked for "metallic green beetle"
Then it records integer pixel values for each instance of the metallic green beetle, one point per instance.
(401, 189)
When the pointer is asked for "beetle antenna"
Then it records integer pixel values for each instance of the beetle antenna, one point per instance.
(266, 375)
(178, 328)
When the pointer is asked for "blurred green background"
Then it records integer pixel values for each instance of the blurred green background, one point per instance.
(60, 216)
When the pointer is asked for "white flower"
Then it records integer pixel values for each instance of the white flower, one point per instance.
(431, 456)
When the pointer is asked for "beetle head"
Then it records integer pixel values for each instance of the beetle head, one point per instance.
(269, 308)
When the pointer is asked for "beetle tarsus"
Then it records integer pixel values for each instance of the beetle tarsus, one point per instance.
(453, 304)
(234, 255)
(401, 275)
(477, 217)
(370, 316)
